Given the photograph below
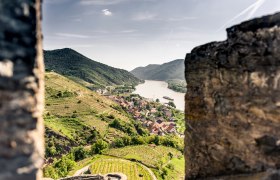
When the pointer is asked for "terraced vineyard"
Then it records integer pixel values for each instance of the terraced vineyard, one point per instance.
(78, 114)
(133, 170)
(78, 98)
(148, 155)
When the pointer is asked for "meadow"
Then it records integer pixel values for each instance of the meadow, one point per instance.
(133, 170)
(152, 156)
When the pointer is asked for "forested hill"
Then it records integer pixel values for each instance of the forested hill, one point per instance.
(163, 72)
(84, 70)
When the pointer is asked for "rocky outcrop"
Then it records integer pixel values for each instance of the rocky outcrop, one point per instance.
(233, 102)
(21, 90)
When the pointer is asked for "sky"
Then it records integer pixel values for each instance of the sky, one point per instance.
(131, 33)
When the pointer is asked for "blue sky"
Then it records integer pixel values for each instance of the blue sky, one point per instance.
(131, 33)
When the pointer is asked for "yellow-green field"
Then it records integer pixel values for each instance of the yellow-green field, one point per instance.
(85, 101)
(155, 157)
(80, 103)
(148, 155)
(133, 170)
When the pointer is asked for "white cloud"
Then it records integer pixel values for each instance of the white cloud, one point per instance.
(100, 2)
(128, 31)
(106, 12)
(144, 17)
(181, 18)
(68, 35)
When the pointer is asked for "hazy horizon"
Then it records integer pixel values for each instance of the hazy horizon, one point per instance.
(131, 33)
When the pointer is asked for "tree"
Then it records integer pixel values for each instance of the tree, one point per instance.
(171, 104)
(157, 100)
(99, 147)
(115, 124)
(119, 142)
(170, 155)
(138, 140)
(164, 173)
(64, 165)
(79, 153)
(51, 151)
(148, 107)
(126, 140)
(157, 140)
(50, 172)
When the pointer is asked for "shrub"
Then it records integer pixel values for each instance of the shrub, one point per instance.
(137, 140)
(126, 140)
(51, 151)
(64, 165)
(171, 104)
(119, 142)
(50, 172)
(157, 140)
(164, 173)
(74, 116)
(170, 166)
(60, 168)
(79, 153)
(99, 147)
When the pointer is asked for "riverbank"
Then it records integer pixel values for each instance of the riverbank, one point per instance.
(177, 85)
(156, 90)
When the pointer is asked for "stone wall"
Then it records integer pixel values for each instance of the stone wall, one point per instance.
(233, 102)
(21, 90)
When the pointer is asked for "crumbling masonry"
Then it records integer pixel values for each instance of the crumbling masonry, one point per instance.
(21, 90)
(233, 102)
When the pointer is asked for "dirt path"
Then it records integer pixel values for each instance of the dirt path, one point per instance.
(149, 170)
(145, 167)
(81, 171)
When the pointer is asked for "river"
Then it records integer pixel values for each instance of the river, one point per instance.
(157, 89)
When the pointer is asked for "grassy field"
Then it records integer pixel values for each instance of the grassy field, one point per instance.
(72, 128)
(77, 115)
(180, 121)
(157, 158)
(77, 99)
(150, 156)
(101, 164)
(179, 169)
(71, 108)
(132, 170)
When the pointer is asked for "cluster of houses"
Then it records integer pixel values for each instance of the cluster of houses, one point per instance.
(160, 128)
(158, 119)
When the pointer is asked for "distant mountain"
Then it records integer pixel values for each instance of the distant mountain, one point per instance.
(85, 71)
(163, 72)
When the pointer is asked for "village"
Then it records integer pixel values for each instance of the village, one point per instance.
(159, 119)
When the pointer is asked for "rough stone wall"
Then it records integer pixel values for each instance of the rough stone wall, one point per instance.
(233, 102)
(21, 90)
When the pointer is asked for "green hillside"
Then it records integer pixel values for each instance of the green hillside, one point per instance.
(163, 72)
(85, 71)
(75, 115)
(81, 124)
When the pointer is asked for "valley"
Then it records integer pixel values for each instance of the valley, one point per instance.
(172, 73)
(109, 126)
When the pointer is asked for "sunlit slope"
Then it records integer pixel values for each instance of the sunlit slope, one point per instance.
(78, 114)
(86, 71)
